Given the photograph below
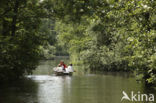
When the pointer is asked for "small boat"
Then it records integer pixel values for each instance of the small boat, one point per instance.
(61, 71)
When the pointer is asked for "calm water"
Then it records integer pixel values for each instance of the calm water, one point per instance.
(44, 87)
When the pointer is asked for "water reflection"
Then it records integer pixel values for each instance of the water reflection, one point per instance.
(98, 89)
(44, 87)
(23, 91)
(50, 90)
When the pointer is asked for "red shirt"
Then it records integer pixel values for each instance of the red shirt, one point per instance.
(62, 64)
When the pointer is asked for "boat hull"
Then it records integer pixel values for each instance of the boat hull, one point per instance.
(62, 73)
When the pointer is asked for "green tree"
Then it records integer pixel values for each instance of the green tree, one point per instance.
(19, 37)
(116, 35)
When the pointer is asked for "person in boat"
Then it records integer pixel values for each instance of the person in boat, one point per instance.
(70, 68)
(62, 64)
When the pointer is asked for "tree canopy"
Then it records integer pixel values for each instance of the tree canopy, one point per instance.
(108, 35)
(111, 35)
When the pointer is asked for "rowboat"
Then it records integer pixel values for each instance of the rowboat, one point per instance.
(61, 71)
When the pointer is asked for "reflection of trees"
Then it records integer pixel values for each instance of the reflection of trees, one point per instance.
(21, 91)
(95, 88)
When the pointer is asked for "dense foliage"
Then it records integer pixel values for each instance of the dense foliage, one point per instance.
(50, 49)
(20, 37)
(110, 35)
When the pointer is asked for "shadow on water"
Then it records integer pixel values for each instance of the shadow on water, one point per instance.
(82, 87)
(21, 91)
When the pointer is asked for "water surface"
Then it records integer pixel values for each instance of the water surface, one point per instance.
(44, 87)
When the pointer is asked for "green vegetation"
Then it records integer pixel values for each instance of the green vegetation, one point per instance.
(19, 37)
(107, 35)
(110, 35)
(26, 36)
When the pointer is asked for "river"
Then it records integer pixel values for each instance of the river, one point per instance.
(44, 87)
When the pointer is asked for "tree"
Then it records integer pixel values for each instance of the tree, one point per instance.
(120, 34)
(19, 37)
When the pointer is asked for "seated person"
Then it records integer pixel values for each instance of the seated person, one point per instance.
(62, 65)
(70, 68)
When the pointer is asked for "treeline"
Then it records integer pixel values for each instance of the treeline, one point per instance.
(26, 35)
(110, 35)
(21, 36)
(50, 49)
